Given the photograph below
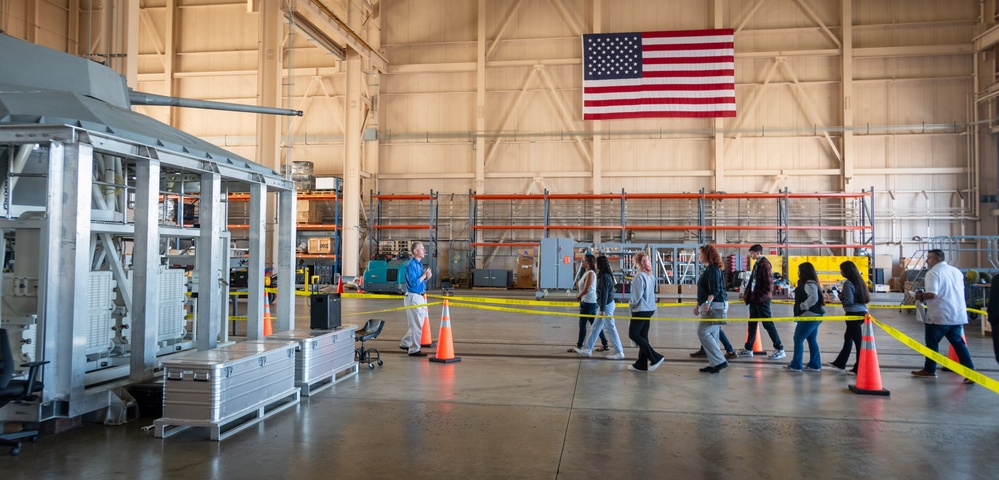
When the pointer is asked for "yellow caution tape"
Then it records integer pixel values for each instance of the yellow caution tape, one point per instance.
(937, 357)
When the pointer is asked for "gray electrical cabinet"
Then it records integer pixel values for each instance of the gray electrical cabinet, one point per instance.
(556, 264)
(487, 278)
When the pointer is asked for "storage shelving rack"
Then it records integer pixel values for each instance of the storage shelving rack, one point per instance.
(327, 223)
(408, 214)
(797, 221)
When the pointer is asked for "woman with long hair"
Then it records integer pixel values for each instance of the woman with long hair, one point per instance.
(712, 306)
(587, 297)
(643, 305)
(855, 298)
(808, 302)
(605, 308)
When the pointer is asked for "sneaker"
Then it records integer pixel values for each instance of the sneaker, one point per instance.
(616, 356)
(779, 353)
(788, 368)
(585, 353)
(656, 365)
(837, 368)
(968, 381)
(719, 367)
(632, 368)
(417, 354)
(744, 353)
(923, 374)
(730, 355)
(810, 369)
(851, 372)
(699, 353)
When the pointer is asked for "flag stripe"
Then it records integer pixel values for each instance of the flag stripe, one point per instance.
(659, 74)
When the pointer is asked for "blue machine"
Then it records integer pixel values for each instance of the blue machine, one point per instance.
(386, 276)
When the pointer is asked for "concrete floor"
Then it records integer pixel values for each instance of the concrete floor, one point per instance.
(519, 406)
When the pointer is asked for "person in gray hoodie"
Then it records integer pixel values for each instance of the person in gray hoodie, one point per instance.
(643, 305)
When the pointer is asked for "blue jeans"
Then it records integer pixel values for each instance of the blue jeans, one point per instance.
(587, 309)
(601, 325)
(953, 333)
(806, 330)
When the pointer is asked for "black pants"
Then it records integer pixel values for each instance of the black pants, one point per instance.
(995, 339)
(638, 332)
(761, 310)
(851, 338)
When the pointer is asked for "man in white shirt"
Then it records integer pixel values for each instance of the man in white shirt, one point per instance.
(945, 315)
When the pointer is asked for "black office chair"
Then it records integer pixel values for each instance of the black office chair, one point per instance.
(16, 391)
(368, 332)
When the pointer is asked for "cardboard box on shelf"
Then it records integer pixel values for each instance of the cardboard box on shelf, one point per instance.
(321, 245)
(688, 293)
(881, 288)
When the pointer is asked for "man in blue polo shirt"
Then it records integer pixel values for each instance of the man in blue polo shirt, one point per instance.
(416, 286)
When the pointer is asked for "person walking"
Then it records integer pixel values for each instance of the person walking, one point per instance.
(759, 291)
(855, 298)
(643, 305)
(945, 312)
(808, 302)
(605, 308)
(587, 298)
(993, 312)
(416, 286)
(712, 306)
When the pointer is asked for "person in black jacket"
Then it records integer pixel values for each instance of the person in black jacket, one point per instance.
(759, 291)
(605, 308)
(855, 298)
(712, 306)
(993, 311)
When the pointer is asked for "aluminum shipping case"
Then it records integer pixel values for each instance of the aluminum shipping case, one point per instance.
(220, 388)
(321, 356)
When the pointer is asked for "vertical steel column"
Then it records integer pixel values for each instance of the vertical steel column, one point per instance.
(702, 219)
(547, 214)
(285, 260)
(624, 218)
(64, 279)
(145, 262)
(257, 258)
(433, 238)
(472, 232)
(208, 258)
(337, 227)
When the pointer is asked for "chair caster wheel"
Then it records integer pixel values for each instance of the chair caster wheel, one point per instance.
(15, 451)
(371, 366)
(379, 363)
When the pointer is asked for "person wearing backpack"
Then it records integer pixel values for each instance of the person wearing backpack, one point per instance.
(855, 298)
(808, 302)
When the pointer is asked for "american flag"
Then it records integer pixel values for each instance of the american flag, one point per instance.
(687, 73)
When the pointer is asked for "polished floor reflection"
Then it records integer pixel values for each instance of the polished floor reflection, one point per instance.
(519, 406)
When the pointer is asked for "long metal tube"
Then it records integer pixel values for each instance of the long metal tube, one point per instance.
(142, 98)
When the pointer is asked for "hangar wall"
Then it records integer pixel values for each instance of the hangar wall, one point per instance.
(485, 96)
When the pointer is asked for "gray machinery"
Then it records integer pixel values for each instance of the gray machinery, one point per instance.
(556, 265)
(106, 266)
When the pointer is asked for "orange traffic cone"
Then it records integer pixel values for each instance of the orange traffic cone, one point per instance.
(339, 286)
(869, 371)
(268, 328)
(757, 344)
(445, 351)
(952, 354)
(426, 340)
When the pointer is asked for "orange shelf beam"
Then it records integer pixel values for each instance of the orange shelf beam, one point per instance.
(508, 227)
(315, 255)
(317, 226)
(402, 227)
(500, 244)
(792, 245)
(402, 197)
